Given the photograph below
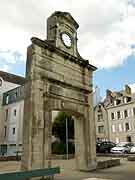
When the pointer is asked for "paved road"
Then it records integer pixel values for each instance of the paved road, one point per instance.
(126, 171)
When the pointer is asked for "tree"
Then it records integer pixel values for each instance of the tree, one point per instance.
(59, 126)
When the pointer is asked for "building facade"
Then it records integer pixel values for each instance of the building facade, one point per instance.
(101, 121)
(11, 113)
(119, 109)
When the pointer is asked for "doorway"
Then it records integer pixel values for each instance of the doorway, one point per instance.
(63, 145)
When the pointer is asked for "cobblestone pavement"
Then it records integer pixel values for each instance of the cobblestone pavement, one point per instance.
(126, 171)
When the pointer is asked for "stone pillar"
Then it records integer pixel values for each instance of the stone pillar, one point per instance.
(85, 144)
(36, 132)
(47, 138)
(80, 146)
(91, 134)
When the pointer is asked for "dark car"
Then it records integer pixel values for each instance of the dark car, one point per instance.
(104, 146)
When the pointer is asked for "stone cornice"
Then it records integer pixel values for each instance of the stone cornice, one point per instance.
(45, 44)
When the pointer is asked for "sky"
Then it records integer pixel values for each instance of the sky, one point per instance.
(106, 35)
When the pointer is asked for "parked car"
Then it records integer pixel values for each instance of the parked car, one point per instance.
(123, 147)
(132, 150)
(104, 146)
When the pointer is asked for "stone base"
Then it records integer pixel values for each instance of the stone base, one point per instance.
(131, 158)
(108, 163)
(92, 167)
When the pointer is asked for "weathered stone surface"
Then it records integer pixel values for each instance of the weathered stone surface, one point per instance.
(131, 158)
(108, 163)
(57, 79)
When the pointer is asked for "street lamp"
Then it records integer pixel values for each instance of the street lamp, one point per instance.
(66, 138)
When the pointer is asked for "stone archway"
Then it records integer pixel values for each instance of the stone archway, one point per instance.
(57, 78)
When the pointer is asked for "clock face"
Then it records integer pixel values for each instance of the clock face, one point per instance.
(66, 40)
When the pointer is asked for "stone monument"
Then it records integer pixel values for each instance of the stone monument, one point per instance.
(57, 78)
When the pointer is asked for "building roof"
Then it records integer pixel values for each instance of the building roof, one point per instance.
(13, 95)
(12, 78)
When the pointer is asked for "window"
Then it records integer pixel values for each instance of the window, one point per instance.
(0, 82)
(113, 128)
(134, 111)
(129, 99)
(120, 128)
(125, 100)
(118, 114)
(99, 108)
(15, 96)
(129, 139)
(118, 101)
(13, 130)
(5, 131)
(112, 116)
(117, 140)
(114, 102)
(125, 113)
(100, 117)
(127, 126)
(14, 112)
(7, 99)
(6, 118)
(101, 129)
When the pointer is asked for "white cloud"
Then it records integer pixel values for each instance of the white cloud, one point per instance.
(5, 68)
(106, 32)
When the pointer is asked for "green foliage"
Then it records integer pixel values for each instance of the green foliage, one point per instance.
(59, 127)
(60, 148)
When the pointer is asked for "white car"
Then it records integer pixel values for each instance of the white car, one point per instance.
(123, 147)
(132, 150)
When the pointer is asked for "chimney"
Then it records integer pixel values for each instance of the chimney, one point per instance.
(127, 89)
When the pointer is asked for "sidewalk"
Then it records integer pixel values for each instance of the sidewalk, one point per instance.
(126, 171)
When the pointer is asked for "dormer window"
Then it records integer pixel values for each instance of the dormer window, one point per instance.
(118, 101)
(0, 82)
(128, 99)
(125, 99)
(99, 108)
